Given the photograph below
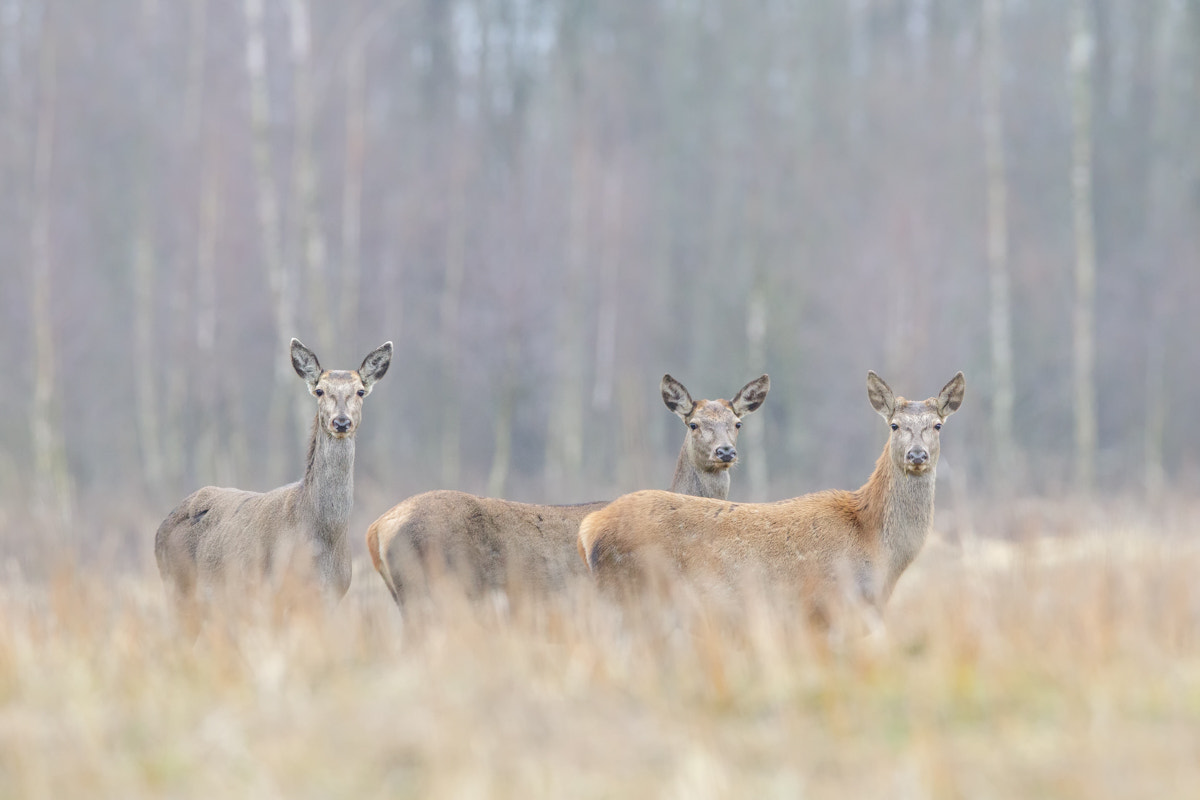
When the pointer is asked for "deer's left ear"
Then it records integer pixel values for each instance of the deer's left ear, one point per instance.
(304, 361)
(751, 396)
(951, 396)
(375, 365)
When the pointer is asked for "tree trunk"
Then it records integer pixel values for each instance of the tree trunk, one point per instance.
(503, 419)
(1000, 316)
(285, 417)
(146, 392)
(305, 242)
(352, 183)
(455, 261)
(1081, 57)
(564, 445)
(53, 491)
(754, 436)
(1168, 190)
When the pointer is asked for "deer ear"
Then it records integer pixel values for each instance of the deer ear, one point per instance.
(951, 396)
(751, 396)
(676, 396)
(375, 365)
(304, 361)
(880, 395)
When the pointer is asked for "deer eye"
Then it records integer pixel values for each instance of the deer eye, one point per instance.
(895, 427)
(738, 425)
(362, 392)
(937, 426)
(693, 425)
(319, 392)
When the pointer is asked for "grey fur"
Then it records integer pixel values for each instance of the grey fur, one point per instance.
(219, 539)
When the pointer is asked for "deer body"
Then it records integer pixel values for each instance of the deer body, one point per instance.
(491, 543)
(217, 536)
(868, 536)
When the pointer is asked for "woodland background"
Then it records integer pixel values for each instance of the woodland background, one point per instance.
(547, 204)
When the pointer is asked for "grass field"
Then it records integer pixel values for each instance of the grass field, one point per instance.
(1065, 666)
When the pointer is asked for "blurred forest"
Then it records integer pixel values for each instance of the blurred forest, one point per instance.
(547, 204)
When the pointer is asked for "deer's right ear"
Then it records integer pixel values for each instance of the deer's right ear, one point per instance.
(676, 396)
(880, 395)
(304, 361)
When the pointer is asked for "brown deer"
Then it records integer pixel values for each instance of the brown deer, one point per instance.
(495, 544)
(867, 537)
(217, 534)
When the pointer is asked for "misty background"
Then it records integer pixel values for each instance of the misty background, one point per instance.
(547, 204)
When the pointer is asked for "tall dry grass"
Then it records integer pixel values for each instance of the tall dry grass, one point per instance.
(1059, 667)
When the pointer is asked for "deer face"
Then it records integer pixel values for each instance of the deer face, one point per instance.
(339, 396)
(712, 435)
(916, 426)
(713, 425)
(340, 393)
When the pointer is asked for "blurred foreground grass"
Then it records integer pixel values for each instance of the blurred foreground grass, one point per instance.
(1063, 667)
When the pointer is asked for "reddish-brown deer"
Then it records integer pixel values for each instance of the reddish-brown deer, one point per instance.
(866, 537)
(218, 536)
(488, 543)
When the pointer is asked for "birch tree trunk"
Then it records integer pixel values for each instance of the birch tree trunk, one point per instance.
(210, 462)
(53, 490)
(455, 266)
(755, 436)
(183, 302)
(1167, 193)
(352, 183)
(285, 417)
(146, 392)
(564, 445)
(1081, 55)
(503, 420)
(147, 395)
(1000, 312)
(305, 242)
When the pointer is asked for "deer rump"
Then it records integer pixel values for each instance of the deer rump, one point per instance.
(471, 539)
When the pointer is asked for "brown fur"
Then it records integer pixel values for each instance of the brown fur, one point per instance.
(491, 544)
(230, 538)
(867, 537)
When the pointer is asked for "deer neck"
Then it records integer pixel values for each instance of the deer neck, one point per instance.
(328, 485)
(897, 505)
(689, 480)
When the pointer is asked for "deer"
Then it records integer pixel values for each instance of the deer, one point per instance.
(857, 543)
(494, 544)
(217, 534)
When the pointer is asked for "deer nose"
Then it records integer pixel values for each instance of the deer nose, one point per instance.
(342, 423)
(726, 453)
(917, 456)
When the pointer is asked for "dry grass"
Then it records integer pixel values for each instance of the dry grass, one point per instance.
(1062, 668)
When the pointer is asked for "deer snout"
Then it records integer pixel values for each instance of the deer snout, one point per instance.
(917, 456)
(726, 453)
(342, 423)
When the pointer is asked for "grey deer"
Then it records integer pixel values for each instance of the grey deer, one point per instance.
(856, 542)
(218, 535)
(492, 544)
